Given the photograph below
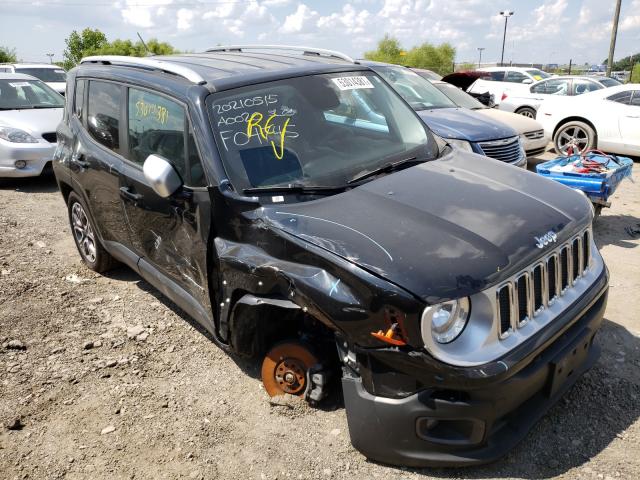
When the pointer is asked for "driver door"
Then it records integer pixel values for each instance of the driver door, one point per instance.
(169, 234)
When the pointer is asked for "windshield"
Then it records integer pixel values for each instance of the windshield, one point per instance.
(21, 94)
(319, 130)
(418, 92)
(459, 97)
(538, 74)
(609, 82)
(45, 74)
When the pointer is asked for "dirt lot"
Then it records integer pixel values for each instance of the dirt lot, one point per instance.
(114, 382)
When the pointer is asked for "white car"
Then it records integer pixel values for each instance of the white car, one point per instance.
(499, 81)
(30, 112)
(607, 119)
(54, 76)
(531, 132)
(526, 102)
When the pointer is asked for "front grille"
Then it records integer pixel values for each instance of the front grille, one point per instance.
(538, 287)
(50, 137)
(504, 310)
(507, 150)
(564, 268)
(535, 135)
(552, 278)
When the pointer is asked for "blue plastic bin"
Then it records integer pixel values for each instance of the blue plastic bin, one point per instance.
(597, 186)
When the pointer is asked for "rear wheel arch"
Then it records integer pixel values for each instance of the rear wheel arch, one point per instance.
(564, 121)
(524, 108)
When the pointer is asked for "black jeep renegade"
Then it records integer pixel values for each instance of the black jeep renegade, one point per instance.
(295, 206)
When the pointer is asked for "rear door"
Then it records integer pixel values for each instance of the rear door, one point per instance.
(96, 160)
(630, 123)
(169, 234)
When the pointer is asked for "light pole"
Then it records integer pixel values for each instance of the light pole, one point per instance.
(614, 34)
(506, 14)
(480, 49)
(50, 55)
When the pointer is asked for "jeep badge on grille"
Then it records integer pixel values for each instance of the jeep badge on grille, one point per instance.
(545, 239)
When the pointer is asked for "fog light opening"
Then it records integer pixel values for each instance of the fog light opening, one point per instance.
(20, 164)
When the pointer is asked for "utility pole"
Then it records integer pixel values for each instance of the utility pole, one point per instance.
(480, 49)
(614, 34)
(506, 14)
(50, 55)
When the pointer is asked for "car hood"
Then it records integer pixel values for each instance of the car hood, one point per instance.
(464, 124)
(34, 121)
(443, 229)
(519, 123)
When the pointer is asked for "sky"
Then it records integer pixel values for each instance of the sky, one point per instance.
(543, 31)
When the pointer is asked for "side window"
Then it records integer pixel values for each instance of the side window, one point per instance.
(621, 97)
(539, 88)
(556, 87)
(78, 101)
(496, 76)
(515, 77)
(103, 113)
(635, 100)
(156, 126)
(581, 86)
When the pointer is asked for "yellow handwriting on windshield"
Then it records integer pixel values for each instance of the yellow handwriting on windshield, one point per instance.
(255, 120)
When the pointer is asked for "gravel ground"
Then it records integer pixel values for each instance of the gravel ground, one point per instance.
(102, 377)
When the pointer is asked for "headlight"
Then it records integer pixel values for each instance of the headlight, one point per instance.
(16, 135)
(446, 320)
(461, 144)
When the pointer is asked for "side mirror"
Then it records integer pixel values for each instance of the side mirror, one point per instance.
(527, 81)
(161, 175)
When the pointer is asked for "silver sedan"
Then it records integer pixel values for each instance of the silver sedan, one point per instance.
(30, 112)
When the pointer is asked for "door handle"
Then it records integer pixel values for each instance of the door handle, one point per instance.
(78, 159)
(129, 195)
(633, 116)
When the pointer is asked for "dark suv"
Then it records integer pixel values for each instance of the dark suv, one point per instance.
(294, 205)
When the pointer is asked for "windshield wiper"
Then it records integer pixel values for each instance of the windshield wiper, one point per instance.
(47, 106)
(386, 168)
(295, 188)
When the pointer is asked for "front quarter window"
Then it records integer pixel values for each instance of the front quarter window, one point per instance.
(316, 130)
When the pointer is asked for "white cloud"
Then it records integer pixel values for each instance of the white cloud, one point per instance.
(631, 22)
(276, 3)
(185, 19)
(301, 21)
(142, 15)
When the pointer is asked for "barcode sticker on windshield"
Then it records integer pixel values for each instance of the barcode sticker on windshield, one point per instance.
(19, 84)
(352, 83)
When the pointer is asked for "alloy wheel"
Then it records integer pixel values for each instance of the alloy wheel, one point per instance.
(573, 137)
(83, 233)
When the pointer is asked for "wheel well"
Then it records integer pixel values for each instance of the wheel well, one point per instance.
(257, 326)
(575, 119)
(519, 109)
(66, 190)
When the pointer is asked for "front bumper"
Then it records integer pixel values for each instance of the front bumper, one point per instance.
(36, 155)
(470, 418)
(535, 147)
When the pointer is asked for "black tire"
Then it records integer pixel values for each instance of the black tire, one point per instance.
(579, 136)
(527, 112)
(89, 247)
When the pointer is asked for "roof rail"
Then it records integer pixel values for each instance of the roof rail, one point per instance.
(147, 63)
(304, 50)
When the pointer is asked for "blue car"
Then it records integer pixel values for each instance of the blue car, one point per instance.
(460, 127)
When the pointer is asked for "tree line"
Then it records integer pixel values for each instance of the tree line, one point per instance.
(438, 58)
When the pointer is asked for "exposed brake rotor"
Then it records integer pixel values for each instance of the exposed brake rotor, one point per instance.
(284, 369)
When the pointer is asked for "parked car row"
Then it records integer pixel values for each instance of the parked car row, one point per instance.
(30, 112)
(54, 76)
